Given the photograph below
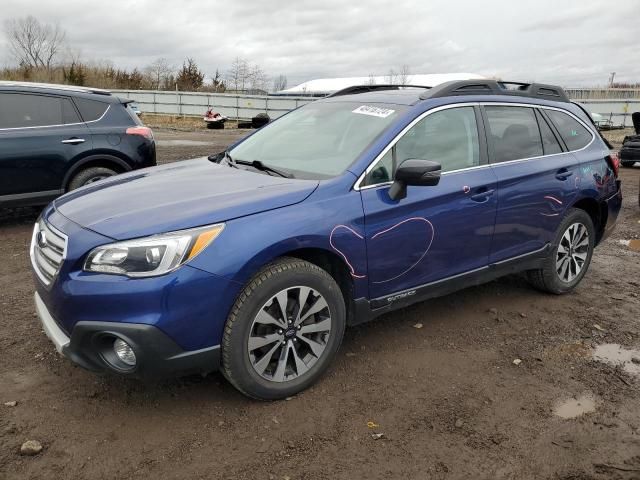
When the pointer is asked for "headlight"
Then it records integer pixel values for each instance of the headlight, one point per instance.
(151, 256)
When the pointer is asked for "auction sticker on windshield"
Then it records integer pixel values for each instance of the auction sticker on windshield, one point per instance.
(373, 111)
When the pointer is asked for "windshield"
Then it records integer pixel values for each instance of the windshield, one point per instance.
(319, 140)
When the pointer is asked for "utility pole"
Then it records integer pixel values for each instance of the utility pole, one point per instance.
(613, 75)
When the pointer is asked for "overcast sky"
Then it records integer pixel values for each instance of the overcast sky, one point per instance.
(570, 42)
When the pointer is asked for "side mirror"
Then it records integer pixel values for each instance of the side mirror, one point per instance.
(414, 171)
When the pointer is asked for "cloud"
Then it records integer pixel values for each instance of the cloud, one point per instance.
(552, 42)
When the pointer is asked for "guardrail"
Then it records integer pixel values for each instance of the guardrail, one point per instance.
(614, 104)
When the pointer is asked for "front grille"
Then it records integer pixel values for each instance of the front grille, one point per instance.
(48, 251)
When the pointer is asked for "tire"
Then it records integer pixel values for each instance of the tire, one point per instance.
(552, 277)
(627, 164)
(258, 370)
(215, 125)
(90, 175)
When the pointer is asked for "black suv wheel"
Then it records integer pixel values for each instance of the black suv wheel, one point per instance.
(283, 331)
(569, 260)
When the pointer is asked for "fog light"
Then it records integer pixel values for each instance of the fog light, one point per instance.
(124, 352)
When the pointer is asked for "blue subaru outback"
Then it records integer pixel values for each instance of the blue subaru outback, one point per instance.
(255, 260)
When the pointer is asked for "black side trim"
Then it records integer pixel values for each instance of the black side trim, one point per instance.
(26, 199)
(366, 310)
(157, 355)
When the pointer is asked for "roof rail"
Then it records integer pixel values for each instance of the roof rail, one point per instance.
(495, 87)
(355, 89)
(55, 86)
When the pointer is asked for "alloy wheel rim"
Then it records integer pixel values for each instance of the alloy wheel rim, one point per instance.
(572, 252)
(289, 334)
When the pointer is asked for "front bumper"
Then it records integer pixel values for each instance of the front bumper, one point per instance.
(158, 356)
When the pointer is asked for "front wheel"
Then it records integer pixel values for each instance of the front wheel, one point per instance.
(569, 260)
(284, 330)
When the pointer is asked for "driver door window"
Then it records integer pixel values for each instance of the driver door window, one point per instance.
(449, 137)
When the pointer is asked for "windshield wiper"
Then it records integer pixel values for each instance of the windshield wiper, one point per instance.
(258, 165)
(218, 157)
(230, 161)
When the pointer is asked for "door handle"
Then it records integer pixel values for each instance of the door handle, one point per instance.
(563, 174)
(73, 141)
(482, 196)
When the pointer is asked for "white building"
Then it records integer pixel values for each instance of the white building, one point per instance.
(325, 86)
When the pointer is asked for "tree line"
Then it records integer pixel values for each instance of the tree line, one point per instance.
(42, 54)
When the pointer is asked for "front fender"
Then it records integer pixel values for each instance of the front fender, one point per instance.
(335, 225)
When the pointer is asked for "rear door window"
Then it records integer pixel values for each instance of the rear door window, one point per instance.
(91, 110)
(574, 134)
(513, 133)
(550, 143)
(22, 110)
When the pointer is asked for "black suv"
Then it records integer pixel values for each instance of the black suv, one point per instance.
(55, 138)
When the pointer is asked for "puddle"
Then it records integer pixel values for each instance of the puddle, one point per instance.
(181, 143)
(614, 354)
(574, 407)
(632, 244)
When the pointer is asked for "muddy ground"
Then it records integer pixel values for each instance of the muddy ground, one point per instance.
(447, 397)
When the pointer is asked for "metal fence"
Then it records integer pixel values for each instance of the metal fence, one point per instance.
(615, 104)
(196, 103)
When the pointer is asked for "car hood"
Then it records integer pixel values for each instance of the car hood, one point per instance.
(177, 196)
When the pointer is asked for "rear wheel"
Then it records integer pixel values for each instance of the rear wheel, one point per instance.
(568, 262)
(90, 175)
(283, 331)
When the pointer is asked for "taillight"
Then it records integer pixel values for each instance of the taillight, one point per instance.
(614, 162)
(142, 131)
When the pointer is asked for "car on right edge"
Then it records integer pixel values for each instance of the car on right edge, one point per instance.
(254, 261)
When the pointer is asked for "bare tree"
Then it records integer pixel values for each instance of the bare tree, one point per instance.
(372, 79)
(392, 77)
(403, 76)
(237, 74)
(279, 83)
(34, 44)
(243, 76)
(257, 78)
(157, 72)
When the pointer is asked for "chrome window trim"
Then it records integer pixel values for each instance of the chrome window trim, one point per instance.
(58, 125)
(357, 185)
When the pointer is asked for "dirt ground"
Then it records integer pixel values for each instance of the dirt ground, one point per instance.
(448, 398)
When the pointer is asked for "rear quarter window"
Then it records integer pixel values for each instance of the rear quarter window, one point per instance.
(90, 110)
(133, 115)
(574, 134)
